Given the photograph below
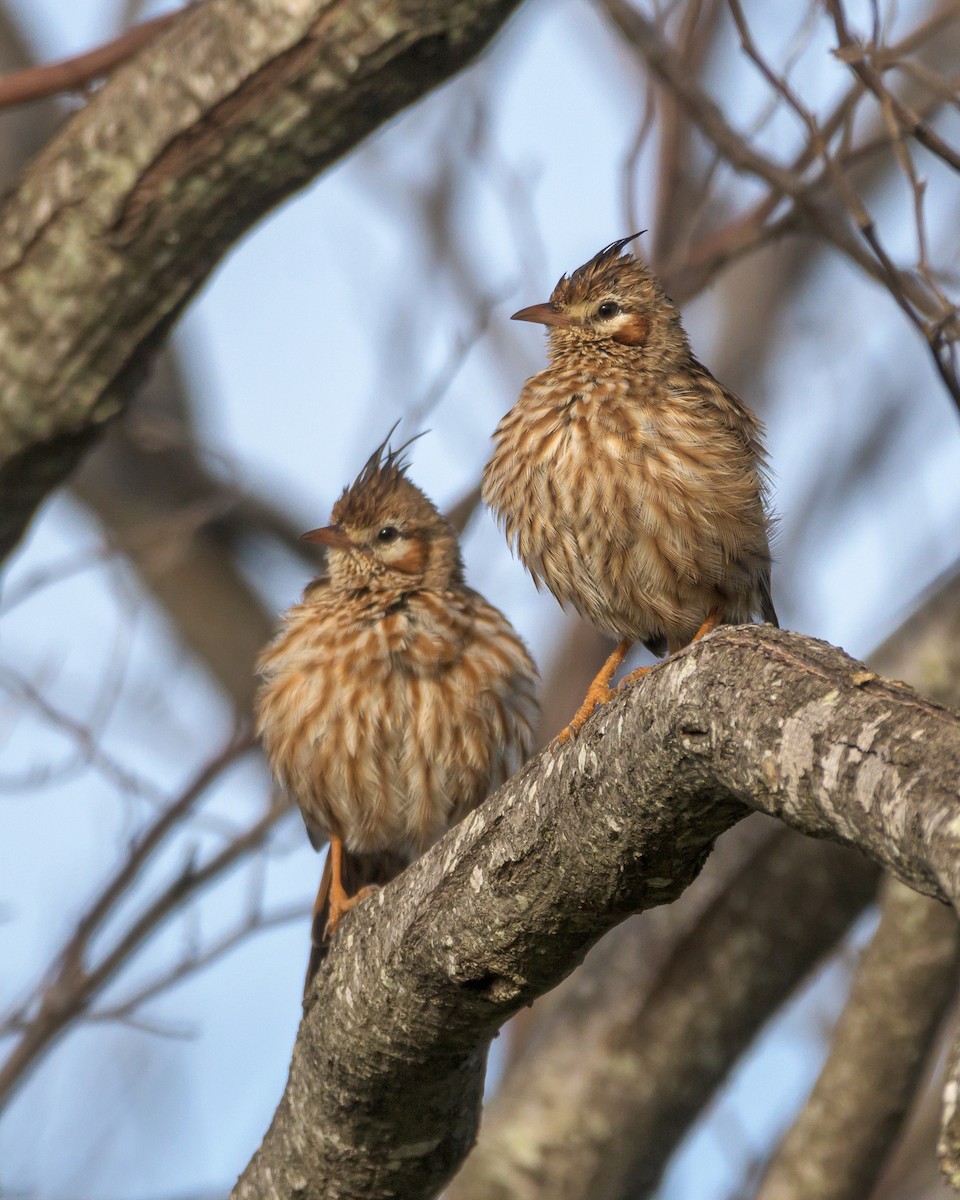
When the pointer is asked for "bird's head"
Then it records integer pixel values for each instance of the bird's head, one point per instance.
(615, 305)
(386, 535)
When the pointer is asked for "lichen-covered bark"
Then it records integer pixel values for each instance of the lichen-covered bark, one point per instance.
(618, 1079)
(384, 1085)
(598, 1048)
(121, 218)
(838, 1145)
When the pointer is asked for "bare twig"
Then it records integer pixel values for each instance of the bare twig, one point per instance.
(73, 74)
(72, 982)
(928, 310)
(856, 56)
(196, 960)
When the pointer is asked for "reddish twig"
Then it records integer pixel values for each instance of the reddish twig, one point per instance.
(72, 74)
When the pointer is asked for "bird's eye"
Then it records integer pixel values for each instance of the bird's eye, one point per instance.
(389, 533)
(608, 309)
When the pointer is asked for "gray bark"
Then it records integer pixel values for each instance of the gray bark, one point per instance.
(384, 1086)
(838, 1145)
(121, 218)
(598, 1050)
(619, 1077)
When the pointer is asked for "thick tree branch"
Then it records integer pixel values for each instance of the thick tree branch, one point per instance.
(608, 1130)
(386, 1077)
(839, 1144)
(122, 217)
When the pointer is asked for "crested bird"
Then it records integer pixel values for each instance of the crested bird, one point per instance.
(626, 478)
(394, 697)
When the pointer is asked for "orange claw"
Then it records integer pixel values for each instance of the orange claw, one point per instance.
(340, 902)
(599, 692)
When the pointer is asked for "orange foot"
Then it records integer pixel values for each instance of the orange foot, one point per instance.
(634, 676)
(340, 905)
(340, 902)
(599, 692)
(709, 625)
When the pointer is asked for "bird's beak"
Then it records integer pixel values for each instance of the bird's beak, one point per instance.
(543, 314)
(330, 535)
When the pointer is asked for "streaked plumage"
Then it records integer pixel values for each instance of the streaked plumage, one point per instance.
(394, 697)
(627, 479)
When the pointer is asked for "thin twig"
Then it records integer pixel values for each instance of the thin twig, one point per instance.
(72, 74)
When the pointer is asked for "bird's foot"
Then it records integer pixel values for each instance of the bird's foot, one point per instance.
(597, 694)
(709, 625)
(634, 676)
(341, 903)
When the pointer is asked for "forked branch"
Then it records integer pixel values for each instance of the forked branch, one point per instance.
(385, 1084)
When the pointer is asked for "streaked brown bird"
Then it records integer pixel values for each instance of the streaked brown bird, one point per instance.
(627, 479)
(394, 697)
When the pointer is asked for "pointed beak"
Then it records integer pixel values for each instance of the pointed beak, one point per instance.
(330, 535)
(543, 314)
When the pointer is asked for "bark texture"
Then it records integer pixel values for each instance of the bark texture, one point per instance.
(839, 1144)
(595, 1052)
(124, 214)
(563, 1132)
(841, 1141)
(384, 1086)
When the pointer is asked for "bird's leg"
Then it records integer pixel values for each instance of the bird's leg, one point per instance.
(599, 692)
(709, 625)
(634, 676)
(340, 902)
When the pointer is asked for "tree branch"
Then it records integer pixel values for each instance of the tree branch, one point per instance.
(87, 962)
(386, 1078)
(119, 221)
(839, 1144)
(655, 1060)
(69, 74)
(834, 217)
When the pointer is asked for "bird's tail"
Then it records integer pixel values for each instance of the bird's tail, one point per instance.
(359, 871)
(767, 612)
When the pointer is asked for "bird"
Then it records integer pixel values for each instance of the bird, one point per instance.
(393, 698)
(626, 478)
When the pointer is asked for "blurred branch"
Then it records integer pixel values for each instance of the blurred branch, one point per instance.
(837, 1148)
(115, 226)
(643, 1067)
(836, 214)
(677, 191)
(180, 527)
(82, 969)
(618, 821)
(858, 59)
(72, 74)
(196, 960)
(925, 649)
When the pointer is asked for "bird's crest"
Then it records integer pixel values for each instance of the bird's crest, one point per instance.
(382, 480)
(584, 279)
